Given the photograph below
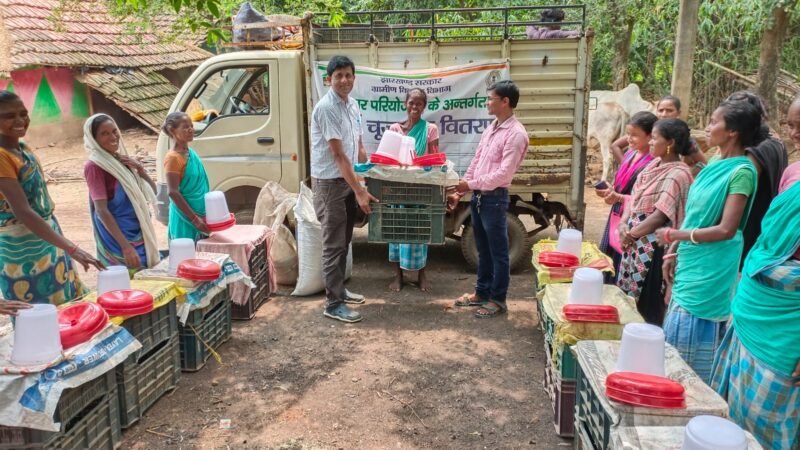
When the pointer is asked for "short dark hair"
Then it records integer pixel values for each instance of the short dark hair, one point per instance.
(643, 120)
(506, 89)
(340, 62)
(99, 120)
(8, 97)
(552, 15)
(172, 121)
(678, 131)
(417, 90)
(671, 98)
(744, 118)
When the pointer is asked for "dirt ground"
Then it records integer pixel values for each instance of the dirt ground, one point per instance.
(416, 373)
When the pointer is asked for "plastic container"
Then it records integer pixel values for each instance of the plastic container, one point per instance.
(435, 159)
(641, 350)
(569, 241)
(180, 250)
(591, 313)
(377, 158)
(127, 302)
(199, 270)
(224, 225)
(216, 208)
(645, 390)
(79, 323)
(558, 259)
(114, 278)
(587, 287)
(36, 337)
(713, 433)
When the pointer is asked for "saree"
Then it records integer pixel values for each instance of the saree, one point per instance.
(31, 269)
(193, 188)
(108, 249)
(663, 187)
(623, 183)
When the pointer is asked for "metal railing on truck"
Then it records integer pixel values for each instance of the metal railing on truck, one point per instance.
(441, 24)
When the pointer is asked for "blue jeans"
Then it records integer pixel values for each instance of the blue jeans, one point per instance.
(491, 237)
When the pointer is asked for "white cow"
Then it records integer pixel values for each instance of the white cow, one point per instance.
(609, 112)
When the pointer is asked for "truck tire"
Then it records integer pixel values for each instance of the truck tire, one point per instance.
(244, 216)
(519, 246)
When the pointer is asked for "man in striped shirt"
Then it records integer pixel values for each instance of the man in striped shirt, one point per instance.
(336, 129)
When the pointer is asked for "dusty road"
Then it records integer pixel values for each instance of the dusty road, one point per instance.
(415, 373)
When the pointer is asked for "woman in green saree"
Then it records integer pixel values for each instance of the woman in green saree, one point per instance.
(186, 179)
(702, 262)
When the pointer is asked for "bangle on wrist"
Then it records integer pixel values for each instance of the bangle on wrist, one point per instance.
(667, 237)
(691, 236)
(72, 249)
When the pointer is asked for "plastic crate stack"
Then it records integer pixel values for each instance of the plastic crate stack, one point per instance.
(153, 370)
(89, 417)
(408, 213)
(205, 330)
(598, 419)
(259, 274)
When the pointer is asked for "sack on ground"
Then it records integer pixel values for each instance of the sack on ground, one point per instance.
(309, 246)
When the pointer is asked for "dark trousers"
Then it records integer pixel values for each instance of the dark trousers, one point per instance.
(491, 237)
(335, 205)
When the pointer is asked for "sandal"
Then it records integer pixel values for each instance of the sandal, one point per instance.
(492, 310)
(470, 300)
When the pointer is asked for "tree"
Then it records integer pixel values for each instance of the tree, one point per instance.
(683, 66)
(622, 22)
(769, 60)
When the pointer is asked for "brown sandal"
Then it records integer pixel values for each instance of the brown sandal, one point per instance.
(470, 300)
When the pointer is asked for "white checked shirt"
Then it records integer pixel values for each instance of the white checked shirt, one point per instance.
(333, 118)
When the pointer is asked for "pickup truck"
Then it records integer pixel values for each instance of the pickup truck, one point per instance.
(261, 100)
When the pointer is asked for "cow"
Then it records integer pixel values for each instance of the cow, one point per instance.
(609, 112)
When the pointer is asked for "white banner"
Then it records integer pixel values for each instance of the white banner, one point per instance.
(456, 102)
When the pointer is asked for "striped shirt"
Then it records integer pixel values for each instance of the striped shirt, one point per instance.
(499, 155)
(333, 118)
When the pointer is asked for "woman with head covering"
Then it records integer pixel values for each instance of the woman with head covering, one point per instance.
(708, 246)
(120, 194)
(757, 367)
(35, 257)
(658, 199)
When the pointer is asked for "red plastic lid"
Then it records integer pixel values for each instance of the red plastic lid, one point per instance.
(222, 226)
(558, 259)
(591, 313)
(645, 384)
(79, 322)
(128, 302)
(435, 159)
(199, 270)
(376, 158)
(645, 400)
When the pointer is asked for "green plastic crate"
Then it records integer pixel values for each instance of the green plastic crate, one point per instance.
(395, 192)
(153, 328)
(566, 361)
(213, 329)
(406, 225)
(257, 297)
(88, 415)
(141, 382)
(592, 422)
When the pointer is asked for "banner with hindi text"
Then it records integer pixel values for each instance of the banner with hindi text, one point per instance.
(456, 102)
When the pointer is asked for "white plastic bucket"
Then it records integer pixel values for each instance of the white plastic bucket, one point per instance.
(114, 278)
(569, 241)
(216, 208)
(587, 287)
(180, 250)
(642, 349)
(713, 433)
(37, 339)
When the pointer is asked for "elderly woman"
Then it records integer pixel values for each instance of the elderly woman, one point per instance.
(121, 194)
(658, 199)
(186, 179)
(426, 136)
(757, 368)
(708, 246)
(35, 258)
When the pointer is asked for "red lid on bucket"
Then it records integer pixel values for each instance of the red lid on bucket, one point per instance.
(127, 302)
(434, 159)
(591, 313)
(224, 225)
(558, 259)
(376, 158)
(645, 390)
(79, 322)
(199, 270)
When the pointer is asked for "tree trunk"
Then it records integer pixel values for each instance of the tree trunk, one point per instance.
(683, 66)
(769, 61)
(622, 27)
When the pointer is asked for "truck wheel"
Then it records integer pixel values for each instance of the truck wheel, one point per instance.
(244, 216)
(519, 247)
